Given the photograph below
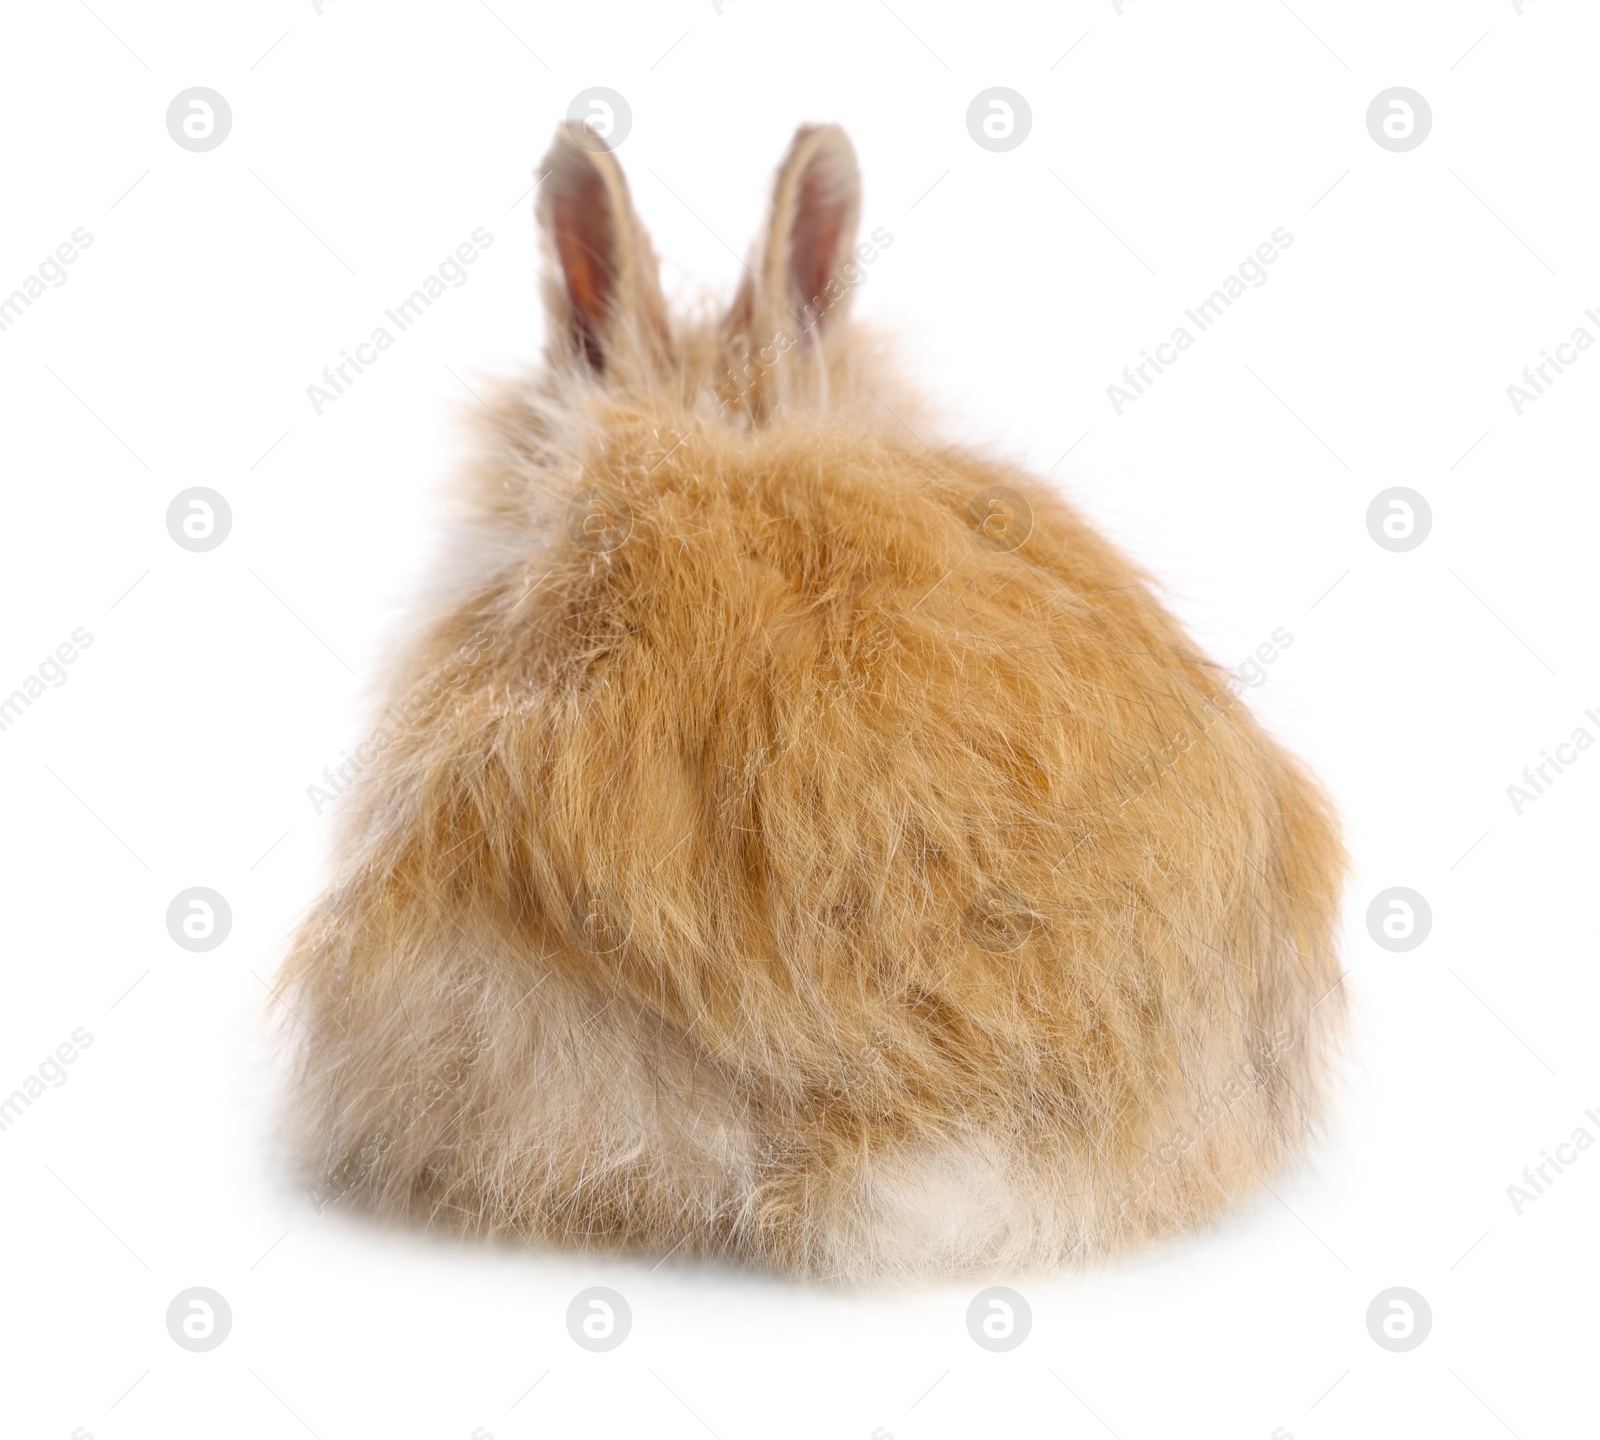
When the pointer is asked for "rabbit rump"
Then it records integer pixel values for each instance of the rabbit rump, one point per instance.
(794, 842)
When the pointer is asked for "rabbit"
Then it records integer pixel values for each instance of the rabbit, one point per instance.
(794, 843)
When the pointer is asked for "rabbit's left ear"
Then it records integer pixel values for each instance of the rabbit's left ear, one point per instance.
(800, 282)
(601, 284)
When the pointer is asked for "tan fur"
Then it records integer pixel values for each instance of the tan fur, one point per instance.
(777, 847)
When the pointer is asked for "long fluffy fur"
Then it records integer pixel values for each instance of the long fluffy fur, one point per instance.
(764, 856)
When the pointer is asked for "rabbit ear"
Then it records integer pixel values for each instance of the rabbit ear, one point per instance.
(601, 284)
(799, 283)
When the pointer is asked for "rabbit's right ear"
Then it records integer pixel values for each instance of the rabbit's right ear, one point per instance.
(601, 284)
(798, 282)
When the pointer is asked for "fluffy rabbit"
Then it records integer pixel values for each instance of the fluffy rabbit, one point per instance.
(795, 842)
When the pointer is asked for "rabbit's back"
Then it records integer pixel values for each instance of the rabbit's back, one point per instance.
(804, 844)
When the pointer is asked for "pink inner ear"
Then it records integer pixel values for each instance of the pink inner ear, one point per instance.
(585, 236)
(819, 215)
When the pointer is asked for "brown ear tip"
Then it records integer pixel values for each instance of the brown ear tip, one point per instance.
(829, 138)
(582, 134)
(824, 155)
(577, 161)
(574, 142)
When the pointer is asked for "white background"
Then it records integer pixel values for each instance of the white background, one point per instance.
(1172, 139)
